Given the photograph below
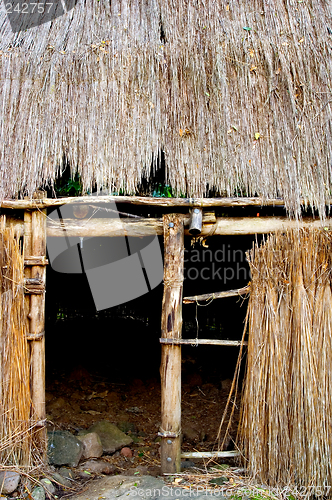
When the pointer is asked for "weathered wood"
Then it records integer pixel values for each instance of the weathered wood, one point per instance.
(150, 226)
(37, 313)
(210, 454)
(171, 341)
(216, 295)
(35, 336)
(147, 201)
(35, 245)
(171, 327)
(27, 250)
(33, 281)
(116, 227)
(35, 261)
(34, 286)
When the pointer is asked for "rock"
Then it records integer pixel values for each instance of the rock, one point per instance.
(61, 480)
(125, 426)
(92, 447)
(137, 487)
(38, 493)
(96, 467)
(63, 448)
(9, 481)
(187, 464)
(111, 437)
(84, 474)
(48, 486)
(126, 452)
(66, 473)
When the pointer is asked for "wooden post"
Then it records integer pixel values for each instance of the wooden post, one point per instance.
(35, 246)
(171, 326)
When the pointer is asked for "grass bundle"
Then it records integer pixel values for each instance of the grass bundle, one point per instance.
(236, 94)
(16, 429)
(286, 416)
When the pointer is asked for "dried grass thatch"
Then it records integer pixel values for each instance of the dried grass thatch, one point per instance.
(237, 94)
(287, 404)
(16, 428)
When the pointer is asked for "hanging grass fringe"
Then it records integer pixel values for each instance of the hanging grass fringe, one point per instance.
(236, 94)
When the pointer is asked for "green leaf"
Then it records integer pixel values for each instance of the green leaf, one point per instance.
(247, 28)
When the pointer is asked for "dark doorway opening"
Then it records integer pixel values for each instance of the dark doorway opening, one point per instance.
(105, 365)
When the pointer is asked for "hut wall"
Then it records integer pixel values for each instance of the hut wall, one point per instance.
(16, 427)
(287, 403)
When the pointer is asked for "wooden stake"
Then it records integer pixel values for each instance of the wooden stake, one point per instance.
(171, 327)
(211, 454)
(195, 342)
(217, 295)
(35, 246)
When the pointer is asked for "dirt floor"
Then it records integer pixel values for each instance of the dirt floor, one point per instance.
(77, 401)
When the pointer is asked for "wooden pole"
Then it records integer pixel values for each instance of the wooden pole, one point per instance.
(145, 226)
(35, 246)
(171, 327)
(217, 295)
(222, 226)
(211, 454)
(194, 342)
(149, 201)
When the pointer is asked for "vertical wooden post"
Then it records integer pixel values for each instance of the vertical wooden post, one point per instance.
(35, 246)
(171, 327)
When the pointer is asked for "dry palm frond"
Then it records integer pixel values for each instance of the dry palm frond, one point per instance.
(237, 94)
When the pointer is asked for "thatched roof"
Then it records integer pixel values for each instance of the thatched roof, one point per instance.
(236, 93)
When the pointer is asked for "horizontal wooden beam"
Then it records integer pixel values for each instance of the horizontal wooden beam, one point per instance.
(144, 200)
(150, 226)
(231, 343)
(216, 295)
(210, 454)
